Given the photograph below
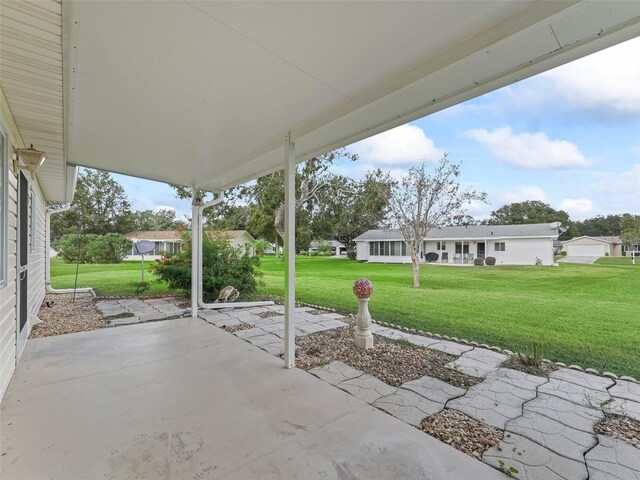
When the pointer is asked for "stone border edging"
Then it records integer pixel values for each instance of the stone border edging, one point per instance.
(463, 341)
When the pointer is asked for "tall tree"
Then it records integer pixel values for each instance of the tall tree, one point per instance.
(601, 225)
(100, 206)
(347, 208)
(162, 219)
(422, 201)
(532, 211)
(630, 235)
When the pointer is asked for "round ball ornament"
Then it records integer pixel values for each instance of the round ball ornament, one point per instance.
(363, 288)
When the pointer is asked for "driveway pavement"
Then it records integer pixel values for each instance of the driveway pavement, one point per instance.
(576, 259)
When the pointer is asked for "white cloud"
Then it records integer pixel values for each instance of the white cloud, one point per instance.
(605, 82)
(406, 144)
(577, 207)
(534, 151)
(618, 192)
(608, 79)
(520, 194)
(164, 207)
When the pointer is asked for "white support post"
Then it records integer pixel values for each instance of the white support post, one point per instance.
(289, 252)
(195, 255)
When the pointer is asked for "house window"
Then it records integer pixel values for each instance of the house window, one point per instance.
(499, 247)
(33, 238)
(3, 209)
(462, 247)
(441, 245)
(386, 249)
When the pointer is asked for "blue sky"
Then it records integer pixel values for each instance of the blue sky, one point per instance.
(569, 137)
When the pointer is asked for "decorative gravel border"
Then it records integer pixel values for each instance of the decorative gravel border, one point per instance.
(392, 361)
(620, 427)
(462, 432)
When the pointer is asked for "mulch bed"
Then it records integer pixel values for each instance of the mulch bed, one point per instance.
(393, 362)
(623, 428)
(542, 370)
(63, 316)
(461, 432)
(238, 327)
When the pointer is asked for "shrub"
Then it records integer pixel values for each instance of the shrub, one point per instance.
(222, 265)
(563, 253)
(304, 253)
(352, 254)
(606, 254)
(313, 254)
(90, 248)
(324, 248)
(490, 260)
(478, 262)
(109, 248)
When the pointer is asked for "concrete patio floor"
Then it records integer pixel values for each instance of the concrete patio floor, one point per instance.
(183, 399)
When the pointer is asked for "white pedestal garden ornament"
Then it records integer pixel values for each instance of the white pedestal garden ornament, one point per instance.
(363, 288)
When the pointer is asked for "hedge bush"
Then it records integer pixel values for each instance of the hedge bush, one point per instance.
(352, 254)
(90, 248)
(490, 260)
(222, 263)
(479, 262)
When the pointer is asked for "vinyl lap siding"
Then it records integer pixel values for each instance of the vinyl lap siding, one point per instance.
(8, 294)
(36, 256)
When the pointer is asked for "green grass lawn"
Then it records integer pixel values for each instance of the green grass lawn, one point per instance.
(112, 279)
(584, 314)
(625, 261)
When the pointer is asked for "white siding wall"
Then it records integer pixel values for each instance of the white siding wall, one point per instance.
(8, 297)
(8, 294)
(362, 250)
(518, 251)
(522, 251)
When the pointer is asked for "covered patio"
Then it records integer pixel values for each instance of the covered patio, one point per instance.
(183, 399)
(209, 95)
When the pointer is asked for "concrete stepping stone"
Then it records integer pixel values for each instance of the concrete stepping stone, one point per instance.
(568, 413)
(222, 321)
(613, 459)
(452, 348)
(578, 387)
(478, 362)
(626, 390)
(367, 388)
(408, 406)
(335, 372)
(262, 340)
(124, 321)
(553, 435)
(250, 332)
(586, 380)
(623, 407)
(433, 389)
(499, 398)
(533, 461)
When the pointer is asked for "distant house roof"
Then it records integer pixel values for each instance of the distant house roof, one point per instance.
(610, 239)
(173, 235)
(472, 232)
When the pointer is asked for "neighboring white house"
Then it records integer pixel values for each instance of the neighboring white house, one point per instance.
(167, 242)
(509, 244)
(337, 248)
(586, 246)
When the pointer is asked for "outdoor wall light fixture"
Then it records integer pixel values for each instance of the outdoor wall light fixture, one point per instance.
(29, 159)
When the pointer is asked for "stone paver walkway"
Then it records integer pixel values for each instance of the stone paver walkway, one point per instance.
(142, 310)
(548, 422)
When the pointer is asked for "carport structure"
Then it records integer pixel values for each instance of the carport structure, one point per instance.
(213, 94)
(209, 95)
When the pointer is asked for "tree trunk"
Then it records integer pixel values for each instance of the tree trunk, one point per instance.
(415, 260)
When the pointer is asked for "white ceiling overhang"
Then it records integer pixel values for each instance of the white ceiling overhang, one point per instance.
(31, 78)
(204, 93)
